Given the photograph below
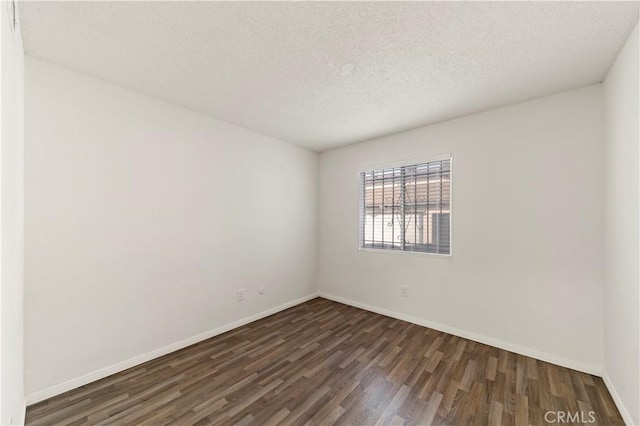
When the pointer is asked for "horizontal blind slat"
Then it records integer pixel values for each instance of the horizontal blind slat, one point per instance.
(407, 208)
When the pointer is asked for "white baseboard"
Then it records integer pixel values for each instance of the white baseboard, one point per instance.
(121, 366)
(616, 398)
(522, 350)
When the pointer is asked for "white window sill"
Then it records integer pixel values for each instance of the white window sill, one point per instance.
(400, 252)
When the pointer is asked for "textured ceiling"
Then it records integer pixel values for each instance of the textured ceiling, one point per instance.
(327, 74)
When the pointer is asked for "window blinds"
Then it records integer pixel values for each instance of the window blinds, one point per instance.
(407, 208)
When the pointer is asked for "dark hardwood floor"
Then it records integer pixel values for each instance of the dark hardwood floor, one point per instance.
(322, 362)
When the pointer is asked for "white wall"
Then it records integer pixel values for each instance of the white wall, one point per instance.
(527, 266)
(11, 226)
(142, 220)
(622, 231)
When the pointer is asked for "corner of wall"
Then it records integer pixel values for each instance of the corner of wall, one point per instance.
(77, 382)
(617, 400)
(12, 217)
(621, 100)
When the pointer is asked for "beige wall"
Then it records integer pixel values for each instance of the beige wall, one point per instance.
(137, 235)
(622, 232)
(12, 404)
(527, 265)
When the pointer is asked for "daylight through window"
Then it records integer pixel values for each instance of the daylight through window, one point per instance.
(407, 208)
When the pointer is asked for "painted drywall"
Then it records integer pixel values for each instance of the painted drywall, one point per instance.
(527, 265)
(142, 221)
(325, 74)
(12, 402)
(622, 231)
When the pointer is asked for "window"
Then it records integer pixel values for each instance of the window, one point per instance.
(407, 208)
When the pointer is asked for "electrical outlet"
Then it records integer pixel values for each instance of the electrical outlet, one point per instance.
(404, 290)
(240, 294)
(262, 290)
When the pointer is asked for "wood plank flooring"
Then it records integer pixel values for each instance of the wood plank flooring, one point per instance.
(322, 362)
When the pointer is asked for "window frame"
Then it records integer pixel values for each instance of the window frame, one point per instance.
(406, 163)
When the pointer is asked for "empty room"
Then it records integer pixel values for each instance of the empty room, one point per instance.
(319, 213)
